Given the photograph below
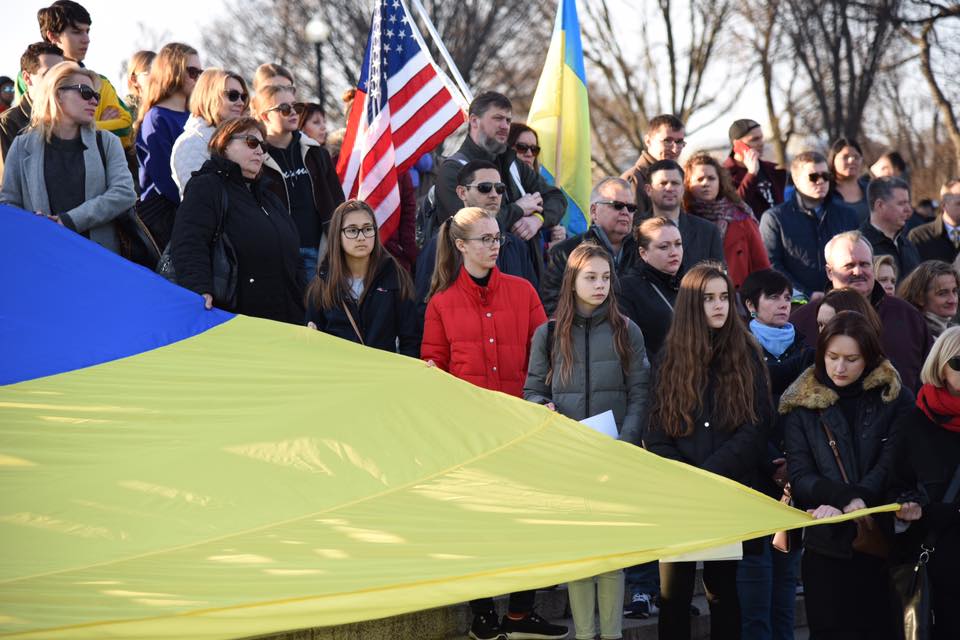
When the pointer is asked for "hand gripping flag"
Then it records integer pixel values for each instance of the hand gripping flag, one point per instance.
(560, 114)
(404, 107)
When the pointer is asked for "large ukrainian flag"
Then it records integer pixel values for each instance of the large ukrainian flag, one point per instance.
(170, 472)
(560, 114)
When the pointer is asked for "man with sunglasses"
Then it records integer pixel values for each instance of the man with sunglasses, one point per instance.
(528, 202)
(796, 231)
(612, 208)
(663, 140)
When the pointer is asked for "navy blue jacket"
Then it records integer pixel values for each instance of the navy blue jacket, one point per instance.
(902, 250)
(795, 238)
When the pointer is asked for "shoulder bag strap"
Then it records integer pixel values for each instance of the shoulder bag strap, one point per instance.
(836, 452)
(353, 323)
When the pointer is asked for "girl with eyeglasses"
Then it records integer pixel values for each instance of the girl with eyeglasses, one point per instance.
(711, 410)
(60, 167)
(218, 96)
(229, 192)
(360, 293)
(588, 361)
(161, 119)
(841, 420)
(301, 172)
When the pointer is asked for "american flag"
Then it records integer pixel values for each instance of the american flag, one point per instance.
(404, 107)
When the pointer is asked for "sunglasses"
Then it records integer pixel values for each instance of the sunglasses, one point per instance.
(616, 204)
(86, 91)
(235, 96)
(285, 108)
(954, 363)
(524, 148)
(487, 187)
(299, 107)
(817, 178)
(251, 141)
(194, 72)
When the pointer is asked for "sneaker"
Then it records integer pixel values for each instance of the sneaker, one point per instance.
(641, 607)
(533, 626)
(485, 626)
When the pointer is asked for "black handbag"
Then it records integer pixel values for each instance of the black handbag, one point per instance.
(910, 582)
(223, 261)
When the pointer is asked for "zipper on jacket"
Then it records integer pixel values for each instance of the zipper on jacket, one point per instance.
(586, 364)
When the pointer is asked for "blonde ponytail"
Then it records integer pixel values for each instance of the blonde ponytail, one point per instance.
(449, 259)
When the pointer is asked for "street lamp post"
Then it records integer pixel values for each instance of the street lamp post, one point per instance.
(317, 33)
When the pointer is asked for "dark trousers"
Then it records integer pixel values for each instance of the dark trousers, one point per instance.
(520, 602)
(676, 593)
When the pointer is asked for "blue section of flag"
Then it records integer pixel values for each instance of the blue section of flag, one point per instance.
(573, 49)
(574, 219)
(103, 307)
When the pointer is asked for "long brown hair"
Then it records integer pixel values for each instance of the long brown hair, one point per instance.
(914, 287)
(692, 349)
(727, 190)
(333, 291)
(562, 347)
(449, 260)
(167, 75)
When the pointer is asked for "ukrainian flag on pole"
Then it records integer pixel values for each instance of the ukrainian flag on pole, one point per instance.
(560, 114)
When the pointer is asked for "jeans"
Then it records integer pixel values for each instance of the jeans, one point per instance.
(520, 602)
(676, 593)
(767, 584)
(308, 263)
(605, 592)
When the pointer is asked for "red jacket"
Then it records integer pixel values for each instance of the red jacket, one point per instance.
(743, 250)
(482, 334)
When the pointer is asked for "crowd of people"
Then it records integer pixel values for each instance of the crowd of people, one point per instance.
(792, 329)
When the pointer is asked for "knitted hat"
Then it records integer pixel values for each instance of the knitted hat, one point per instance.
(740, 128)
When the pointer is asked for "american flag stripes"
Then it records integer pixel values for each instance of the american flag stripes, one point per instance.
(404, 107)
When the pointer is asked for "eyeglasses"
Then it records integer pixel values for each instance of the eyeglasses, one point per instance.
(817, 178)
(616, 204)
(954, 363)
(352, 233)
(86, 91)
(524, 148)
(489, 241)
(235, 96)
(285, 108)
(487, 187)
(679, 143)
(194, 72)
(299, 107)
(251, 141)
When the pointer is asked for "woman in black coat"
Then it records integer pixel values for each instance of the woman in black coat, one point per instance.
(646, 296)
(927, 461)
(361, 293)
(256, 223)
(846, 405)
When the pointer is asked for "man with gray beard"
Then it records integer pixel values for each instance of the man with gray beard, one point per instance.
(528, 203)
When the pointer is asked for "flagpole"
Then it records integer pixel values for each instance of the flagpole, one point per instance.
(461, 84)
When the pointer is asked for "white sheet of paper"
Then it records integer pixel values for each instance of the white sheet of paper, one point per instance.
(732, 551)
(604, 423)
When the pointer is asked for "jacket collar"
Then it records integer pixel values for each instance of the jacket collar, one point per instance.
(807, 392)
(466, 282)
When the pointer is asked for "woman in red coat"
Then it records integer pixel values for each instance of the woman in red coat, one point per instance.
(479, 321)
(708, 192)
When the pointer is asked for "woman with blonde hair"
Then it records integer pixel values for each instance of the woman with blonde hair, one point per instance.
(160, 121)
(272, 74)
(218, 95)
(138, 74)
(886, 273)
(932, 288)
(62, 168)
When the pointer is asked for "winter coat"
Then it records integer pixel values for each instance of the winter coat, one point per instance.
(786, 368)
(261, 231)
(639, 177)
(482, 334)
(795, 239)
(902, 250)
(108, 191)
(905, 336)
(647, 296)
(597, 382)
(402, 243)
(747, 187)
(557, 262)
(867, 448)
(732, 451)
(382, 315)
(933, 242)
(701, 241)
(190, 150)
(743, 250)
(12, 122)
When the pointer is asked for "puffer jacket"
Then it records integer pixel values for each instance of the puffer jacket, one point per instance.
(190, 150)
(867, 448)
(597, 382)
(482, 334)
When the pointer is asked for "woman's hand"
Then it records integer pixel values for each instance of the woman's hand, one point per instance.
(312, 325)
(551, 406)
(431, 363)
(780, 476)
(855, 505)
(909, 511)
(207, 301)
(824, 511)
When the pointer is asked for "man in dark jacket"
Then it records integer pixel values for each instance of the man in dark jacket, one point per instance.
(940, 239)
(759, 183)
(889, 200)
(611, 216)
(796, 232)
(905, 336)
(664, 140)
(528, 202)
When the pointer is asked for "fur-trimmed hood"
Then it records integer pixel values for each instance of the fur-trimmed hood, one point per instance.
(807, 392)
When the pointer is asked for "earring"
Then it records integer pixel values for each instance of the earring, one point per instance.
(753, 315)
